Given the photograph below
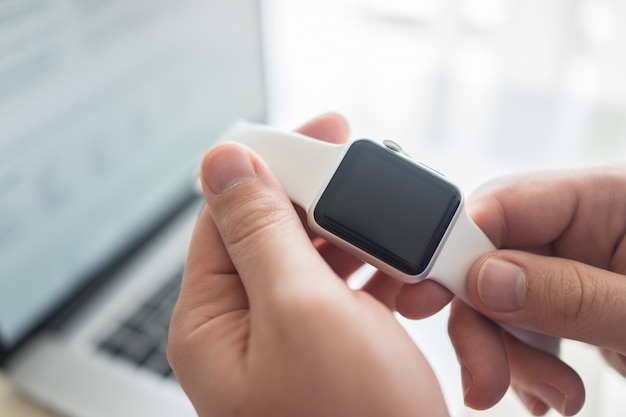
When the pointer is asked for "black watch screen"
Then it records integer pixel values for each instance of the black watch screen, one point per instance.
(388, 206)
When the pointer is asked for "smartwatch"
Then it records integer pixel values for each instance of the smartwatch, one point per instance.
(375, 202)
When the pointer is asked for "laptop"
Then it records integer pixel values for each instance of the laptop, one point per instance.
(106, 108)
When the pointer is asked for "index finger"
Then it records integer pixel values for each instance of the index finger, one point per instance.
(567, 213)
(524, 211)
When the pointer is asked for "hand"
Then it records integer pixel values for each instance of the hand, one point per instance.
(569, 279)
(560, 271)
(265, 325)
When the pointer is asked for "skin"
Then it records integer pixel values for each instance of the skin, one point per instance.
(564, 232)
(265, 324)
(251, 337)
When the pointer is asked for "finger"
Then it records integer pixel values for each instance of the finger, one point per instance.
(261, 231)
(482, 355)
(329, 127)
(210, 290)
(556, 213)
(491, 358)
(525, 211)
(210, 286)
(533, 404)
(616, 360)
(542, 379)
(339, 260)
(550, 295)
(423, 299)
(384, 288)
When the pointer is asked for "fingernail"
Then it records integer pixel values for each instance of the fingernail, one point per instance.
(551, 396)
(226, 167)
(502, 285)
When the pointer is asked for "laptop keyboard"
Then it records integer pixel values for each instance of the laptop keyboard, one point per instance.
(141, 338)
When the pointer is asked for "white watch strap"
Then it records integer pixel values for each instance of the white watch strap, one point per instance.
(464, 245)
(301, 164)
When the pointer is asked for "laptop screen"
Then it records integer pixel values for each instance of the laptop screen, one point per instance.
(106, 107)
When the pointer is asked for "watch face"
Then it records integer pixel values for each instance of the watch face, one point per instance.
(387, 206)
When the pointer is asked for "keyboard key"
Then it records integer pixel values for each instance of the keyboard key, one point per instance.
(142, 337)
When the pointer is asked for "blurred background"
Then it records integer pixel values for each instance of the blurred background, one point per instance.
(481, 87)
(474, 88)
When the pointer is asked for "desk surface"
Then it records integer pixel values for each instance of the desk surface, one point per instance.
(14, 404)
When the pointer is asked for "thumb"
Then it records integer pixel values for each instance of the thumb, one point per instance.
(556, 296)
(259, 226)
